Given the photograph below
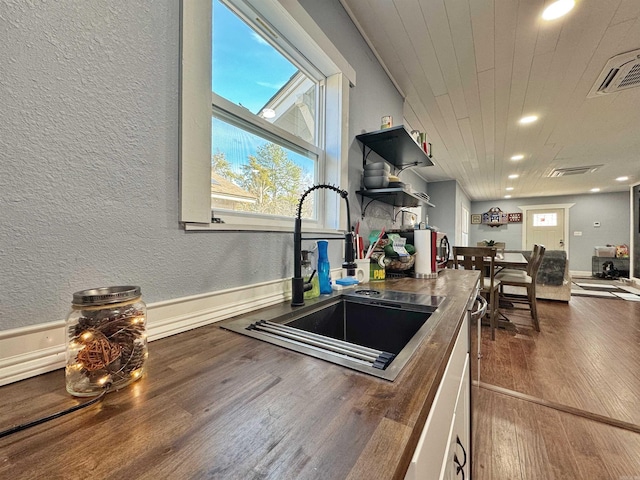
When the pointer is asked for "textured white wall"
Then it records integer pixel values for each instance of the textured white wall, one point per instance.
(89, 160)
(89, 181)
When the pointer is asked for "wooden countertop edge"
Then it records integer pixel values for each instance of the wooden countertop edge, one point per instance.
(400, 408)
(416, 431)
(445, 332)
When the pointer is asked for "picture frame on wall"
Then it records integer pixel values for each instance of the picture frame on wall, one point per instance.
(476, 218)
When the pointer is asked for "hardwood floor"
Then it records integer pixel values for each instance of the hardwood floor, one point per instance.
(586, 357)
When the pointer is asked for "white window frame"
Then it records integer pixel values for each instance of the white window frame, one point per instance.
(536, 219)
(288, 19)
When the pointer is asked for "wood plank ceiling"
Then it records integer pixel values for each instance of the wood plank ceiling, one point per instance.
(470, 69)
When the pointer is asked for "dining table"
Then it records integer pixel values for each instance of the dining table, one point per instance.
(511, 260)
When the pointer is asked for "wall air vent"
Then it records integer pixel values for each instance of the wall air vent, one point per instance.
(620, 72)
(563, 172)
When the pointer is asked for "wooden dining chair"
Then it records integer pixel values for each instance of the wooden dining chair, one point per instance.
(520, 271)
(525, 280)
(482, 259)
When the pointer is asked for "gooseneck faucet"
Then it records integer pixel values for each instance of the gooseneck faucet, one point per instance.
(298, 285)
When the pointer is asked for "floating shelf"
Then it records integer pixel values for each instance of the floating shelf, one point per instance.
(397, 197)
(396, 146)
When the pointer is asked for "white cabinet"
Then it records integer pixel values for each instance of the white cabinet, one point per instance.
(445, 440)
(457, 465)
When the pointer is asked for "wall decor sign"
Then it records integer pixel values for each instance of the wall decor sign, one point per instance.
(476, 218)
(495, 217)
(515, 217)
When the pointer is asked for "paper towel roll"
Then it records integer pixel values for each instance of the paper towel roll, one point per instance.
(422, 242)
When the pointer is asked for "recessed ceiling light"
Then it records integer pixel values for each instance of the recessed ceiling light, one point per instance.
(508, 189)
(507, 196)
(517, 157)
(622, 179)
(528, 119)
(558, 9)
(514, 175)
(594, 190)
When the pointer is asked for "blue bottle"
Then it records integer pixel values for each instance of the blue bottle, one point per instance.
(324, 269)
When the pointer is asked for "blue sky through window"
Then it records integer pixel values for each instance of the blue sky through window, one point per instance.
(247, 71)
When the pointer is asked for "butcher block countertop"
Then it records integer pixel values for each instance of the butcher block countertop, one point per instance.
(216, 404)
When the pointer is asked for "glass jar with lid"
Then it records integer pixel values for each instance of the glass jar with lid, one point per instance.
(106, 339)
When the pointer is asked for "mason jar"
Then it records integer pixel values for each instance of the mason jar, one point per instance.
(106, 339)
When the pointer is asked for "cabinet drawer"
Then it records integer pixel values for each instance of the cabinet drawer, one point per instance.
(433, 444)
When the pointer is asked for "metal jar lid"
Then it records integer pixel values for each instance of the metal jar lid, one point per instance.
(105, 295)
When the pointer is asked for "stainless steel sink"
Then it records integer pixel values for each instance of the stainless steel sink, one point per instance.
(372, 331)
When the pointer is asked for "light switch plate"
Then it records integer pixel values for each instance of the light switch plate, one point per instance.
(577, 234)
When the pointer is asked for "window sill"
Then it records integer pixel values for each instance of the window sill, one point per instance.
(228, 227)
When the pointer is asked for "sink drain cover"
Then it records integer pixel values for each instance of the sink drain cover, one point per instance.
(368, 293)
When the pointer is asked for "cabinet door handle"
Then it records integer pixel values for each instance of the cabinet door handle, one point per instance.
(482, 308)
(459, 466)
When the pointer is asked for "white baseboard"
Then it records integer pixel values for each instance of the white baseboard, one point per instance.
(30, 351)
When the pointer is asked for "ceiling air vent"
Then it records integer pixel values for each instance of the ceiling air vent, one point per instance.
(563, 172)
(620, 72)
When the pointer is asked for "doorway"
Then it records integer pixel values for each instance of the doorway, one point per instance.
(547, 225)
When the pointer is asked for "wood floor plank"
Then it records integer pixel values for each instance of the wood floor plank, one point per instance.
(532, 448)
(543, 443)
(562, 461)
(506, 461)
(586, 447)
(522, 374)
(482, 431)
(586, 356)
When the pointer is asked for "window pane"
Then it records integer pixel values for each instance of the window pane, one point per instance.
(252, 174)
(250, 72)
(545, 219)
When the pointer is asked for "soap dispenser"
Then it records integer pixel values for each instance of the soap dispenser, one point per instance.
(309, 274)
(324, 269)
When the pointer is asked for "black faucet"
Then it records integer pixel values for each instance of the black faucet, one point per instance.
(298, 285)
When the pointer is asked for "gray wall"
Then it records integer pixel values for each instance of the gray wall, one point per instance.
(89, 149)
(448, 198)
(443, 196)
(373, 97)
(610, 209)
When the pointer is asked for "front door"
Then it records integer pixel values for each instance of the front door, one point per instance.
(546, 227)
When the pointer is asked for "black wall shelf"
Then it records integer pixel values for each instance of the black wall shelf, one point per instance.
(397, 197)
(396, 146)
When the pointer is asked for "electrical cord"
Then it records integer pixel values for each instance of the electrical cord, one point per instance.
(24, 426)
(400, 211)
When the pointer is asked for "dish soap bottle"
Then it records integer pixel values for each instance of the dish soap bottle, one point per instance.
(309, 273)
(324, 269)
